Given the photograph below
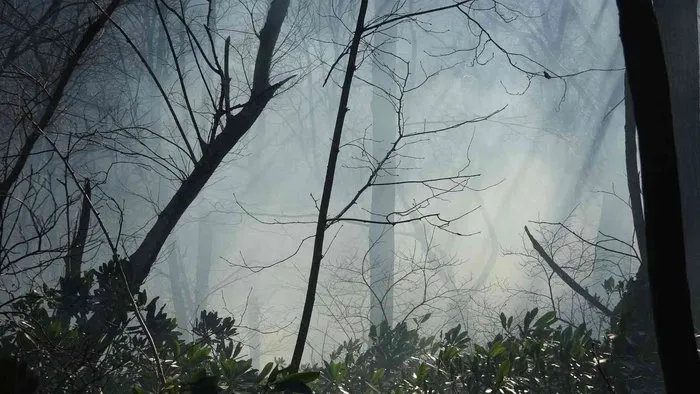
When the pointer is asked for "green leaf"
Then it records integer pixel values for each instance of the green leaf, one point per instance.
(504, 321)
(377, 376)
(198, 354)
(497, 350)
(306, 377)
(266, 369)
(422, 372)
(503, 370)
(546, 320)
(425, 318)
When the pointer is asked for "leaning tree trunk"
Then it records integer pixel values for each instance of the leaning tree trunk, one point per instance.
(668, 283)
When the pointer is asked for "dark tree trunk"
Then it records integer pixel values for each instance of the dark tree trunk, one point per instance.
(322, 222)
(678, 27)
(670, 296)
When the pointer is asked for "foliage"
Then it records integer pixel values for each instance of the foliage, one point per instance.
(529, 356)
(532, 356)
(68, 358)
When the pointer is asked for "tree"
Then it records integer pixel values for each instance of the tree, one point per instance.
(377, 165)
(666, 266)
(678, 28)
(36, 83)
(327, 189)
(381, 237)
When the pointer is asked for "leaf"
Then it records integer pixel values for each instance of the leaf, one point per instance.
(528, 319)
(275, 371)
(497, 350)
(609, 285)
(306, 377)
(546, 320)
(266, 369)
(373, 331)
(377, 376)
(198, 354)
(566, 336)
(142, 298)
(422, 372)
(503, 370)
(504, 321)
(425, 318)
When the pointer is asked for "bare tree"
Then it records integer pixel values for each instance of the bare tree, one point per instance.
(377, 165)
(59, 60)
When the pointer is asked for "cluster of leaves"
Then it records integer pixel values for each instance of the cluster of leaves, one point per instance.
(50, 333)
(532, 356)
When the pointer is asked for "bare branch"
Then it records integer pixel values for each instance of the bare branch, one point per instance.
(566, 278)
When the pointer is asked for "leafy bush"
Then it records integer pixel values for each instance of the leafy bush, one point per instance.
(528, 357)
(68, 355)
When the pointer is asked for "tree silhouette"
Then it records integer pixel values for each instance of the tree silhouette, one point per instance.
(666, 267)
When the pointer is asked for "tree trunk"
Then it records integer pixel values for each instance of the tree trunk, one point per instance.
(321, 223)
(204, 261)
(254, 323)
(670, 296)
(179, 288)
(236, 127)
(678, 26)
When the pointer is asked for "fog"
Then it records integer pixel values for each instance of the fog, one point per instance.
(553, 153)
(495, 116)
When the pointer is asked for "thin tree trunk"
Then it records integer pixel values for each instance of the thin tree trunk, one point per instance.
(74, 261)
(254, 322)
(668, 282)
(179, 288)
(204, 261)
(321, 224)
